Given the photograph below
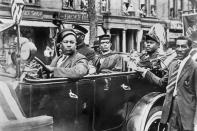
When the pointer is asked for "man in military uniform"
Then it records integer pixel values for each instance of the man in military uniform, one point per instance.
(151, 58)
(108, 61)
(81, 46)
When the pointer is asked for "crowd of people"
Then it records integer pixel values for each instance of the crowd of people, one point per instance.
(74, 59)
(179, 72)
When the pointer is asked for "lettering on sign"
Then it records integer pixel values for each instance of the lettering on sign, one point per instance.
(74, 17)
(33, 13)
(6, 1)
(176, 25)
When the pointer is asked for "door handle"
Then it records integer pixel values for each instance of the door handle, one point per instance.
(126, 87)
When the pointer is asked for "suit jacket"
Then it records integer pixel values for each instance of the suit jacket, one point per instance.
(186, 93)
(75, 66)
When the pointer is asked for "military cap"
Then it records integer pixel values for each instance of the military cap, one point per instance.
(104, 37)
(151, 37)
(80, 28)
(64, 33)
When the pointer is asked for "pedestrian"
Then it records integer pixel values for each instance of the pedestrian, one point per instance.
(180, 104)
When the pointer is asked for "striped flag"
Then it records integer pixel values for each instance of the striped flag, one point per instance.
(17, 9)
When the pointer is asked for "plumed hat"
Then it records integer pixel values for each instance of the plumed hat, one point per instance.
(151, 37)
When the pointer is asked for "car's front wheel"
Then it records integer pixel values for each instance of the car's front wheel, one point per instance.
(153, 119)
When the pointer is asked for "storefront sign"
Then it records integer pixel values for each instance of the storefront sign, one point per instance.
(174, 35)
(177, 25)
(190, 26)
(6, 1)
(74, 17)
(33, 14)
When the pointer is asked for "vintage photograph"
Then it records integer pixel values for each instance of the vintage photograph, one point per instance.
(98, 65)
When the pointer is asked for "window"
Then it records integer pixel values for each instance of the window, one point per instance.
(143, 10)
(179, 5)
(84, 4)
(33, 2)
(153, 8)
(27, 2)
(189, 5)
(104, 6)
(128, 8)
(68, 4)
(172, 8)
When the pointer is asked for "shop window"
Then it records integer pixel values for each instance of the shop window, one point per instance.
(7, 46)
(84, 4)
(68, 4)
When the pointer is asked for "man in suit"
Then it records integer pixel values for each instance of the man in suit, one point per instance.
(70, 63)
(108, 61)
(180, 104)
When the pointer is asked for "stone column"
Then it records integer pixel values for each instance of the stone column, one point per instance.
(108, 32)
(139, 39)
(124, 40)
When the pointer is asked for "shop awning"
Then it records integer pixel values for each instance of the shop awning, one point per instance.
(4, 26)
(30, 23)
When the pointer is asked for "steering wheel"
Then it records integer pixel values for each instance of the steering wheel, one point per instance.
(44, 72)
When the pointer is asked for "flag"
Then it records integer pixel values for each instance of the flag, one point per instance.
(17, 9)
(190, 26)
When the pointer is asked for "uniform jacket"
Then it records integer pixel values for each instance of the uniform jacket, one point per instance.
(86, 51)
(75, 66)
(186, 93)
(148, 61)
(112, 61)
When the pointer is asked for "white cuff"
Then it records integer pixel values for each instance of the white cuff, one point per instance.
(144, 73)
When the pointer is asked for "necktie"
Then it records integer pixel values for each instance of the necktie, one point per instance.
(61, 60)
(173, 77)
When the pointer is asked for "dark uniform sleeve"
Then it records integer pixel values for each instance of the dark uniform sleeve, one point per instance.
(119, 63)
(79, 70)
(162, 82)
(91, 55)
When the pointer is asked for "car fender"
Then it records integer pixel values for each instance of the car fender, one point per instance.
(137, 118)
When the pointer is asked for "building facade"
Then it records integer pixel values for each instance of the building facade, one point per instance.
(128, 20)
(37, 26)
(171, 11)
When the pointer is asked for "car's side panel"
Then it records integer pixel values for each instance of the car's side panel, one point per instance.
(109, 111)
(92, 103)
